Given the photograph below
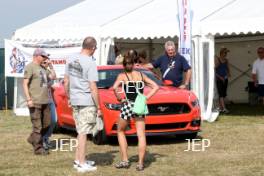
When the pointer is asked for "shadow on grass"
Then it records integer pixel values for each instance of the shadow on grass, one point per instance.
(102, 159)
(106, 159)
(149, 158)
(245, 110)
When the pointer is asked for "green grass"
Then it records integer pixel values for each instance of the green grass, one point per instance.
(237, 147)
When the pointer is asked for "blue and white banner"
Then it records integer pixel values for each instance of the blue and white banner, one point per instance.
(185, 29)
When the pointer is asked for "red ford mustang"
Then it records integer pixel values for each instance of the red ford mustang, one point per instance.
(171, 110)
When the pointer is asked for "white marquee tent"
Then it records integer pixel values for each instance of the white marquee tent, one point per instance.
(142, 19)
(138, 18)
(236, 17)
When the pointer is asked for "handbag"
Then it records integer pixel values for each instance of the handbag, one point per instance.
(140, 107)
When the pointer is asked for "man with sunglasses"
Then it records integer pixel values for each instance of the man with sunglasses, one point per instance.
(258, 73)
(35, 85)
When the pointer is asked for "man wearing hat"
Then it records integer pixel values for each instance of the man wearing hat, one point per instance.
(222, 72)
(35, 85)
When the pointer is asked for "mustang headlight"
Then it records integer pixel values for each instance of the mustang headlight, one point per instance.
(195, 103)
(112, 106)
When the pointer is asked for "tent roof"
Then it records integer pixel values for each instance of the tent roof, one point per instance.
(143, 19)
(76, 22)
(236, 17)
(158, 19)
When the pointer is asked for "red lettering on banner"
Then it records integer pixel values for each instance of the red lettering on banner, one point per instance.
(185, 20)
(58, 61)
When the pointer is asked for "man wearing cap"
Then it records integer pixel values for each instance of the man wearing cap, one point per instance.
(222, 72)
(258, 73)
(35, 85)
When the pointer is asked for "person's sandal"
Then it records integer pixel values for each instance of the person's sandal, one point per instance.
(122, 164)
(140, 167)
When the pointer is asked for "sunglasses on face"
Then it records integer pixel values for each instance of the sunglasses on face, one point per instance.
(45, 62)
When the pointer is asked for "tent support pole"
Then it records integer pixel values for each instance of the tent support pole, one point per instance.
(6, 102)
(15, 95)
(150, 49)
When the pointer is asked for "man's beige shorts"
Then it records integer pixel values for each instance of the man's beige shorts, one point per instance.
(85, 118)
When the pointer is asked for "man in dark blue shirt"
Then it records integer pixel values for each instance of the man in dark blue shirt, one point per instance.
(173, 66)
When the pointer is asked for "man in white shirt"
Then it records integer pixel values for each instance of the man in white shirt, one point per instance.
(258, 73)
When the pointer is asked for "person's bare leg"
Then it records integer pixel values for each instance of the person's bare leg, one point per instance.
(122, 139)
(140, 125)
(77, 150)
(82, 138)
(222, 103)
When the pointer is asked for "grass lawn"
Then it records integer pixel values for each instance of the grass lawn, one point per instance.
(237, 149)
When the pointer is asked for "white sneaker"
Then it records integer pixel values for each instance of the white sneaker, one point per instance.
(86, 168)
(76, 163)
(91, 163)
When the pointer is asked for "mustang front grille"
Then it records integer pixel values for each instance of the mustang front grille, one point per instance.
(168, 108)
(166, 126)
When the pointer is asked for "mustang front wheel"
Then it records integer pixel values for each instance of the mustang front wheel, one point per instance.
(100, 138)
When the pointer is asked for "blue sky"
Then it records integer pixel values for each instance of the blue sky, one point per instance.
(18, 13)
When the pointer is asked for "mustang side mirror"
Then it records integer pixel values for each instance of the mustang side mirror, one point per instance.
(167, 83)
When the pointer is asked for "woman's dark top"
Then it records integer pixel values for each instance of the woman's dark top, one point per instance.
(130, 88)
(221, 70)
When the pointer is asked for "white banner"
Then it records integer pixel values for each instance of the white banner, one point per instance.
(185, 29)
(17, 57)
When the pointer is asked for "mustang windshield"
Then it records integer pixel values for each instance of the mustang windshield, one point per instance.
(108, 77)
